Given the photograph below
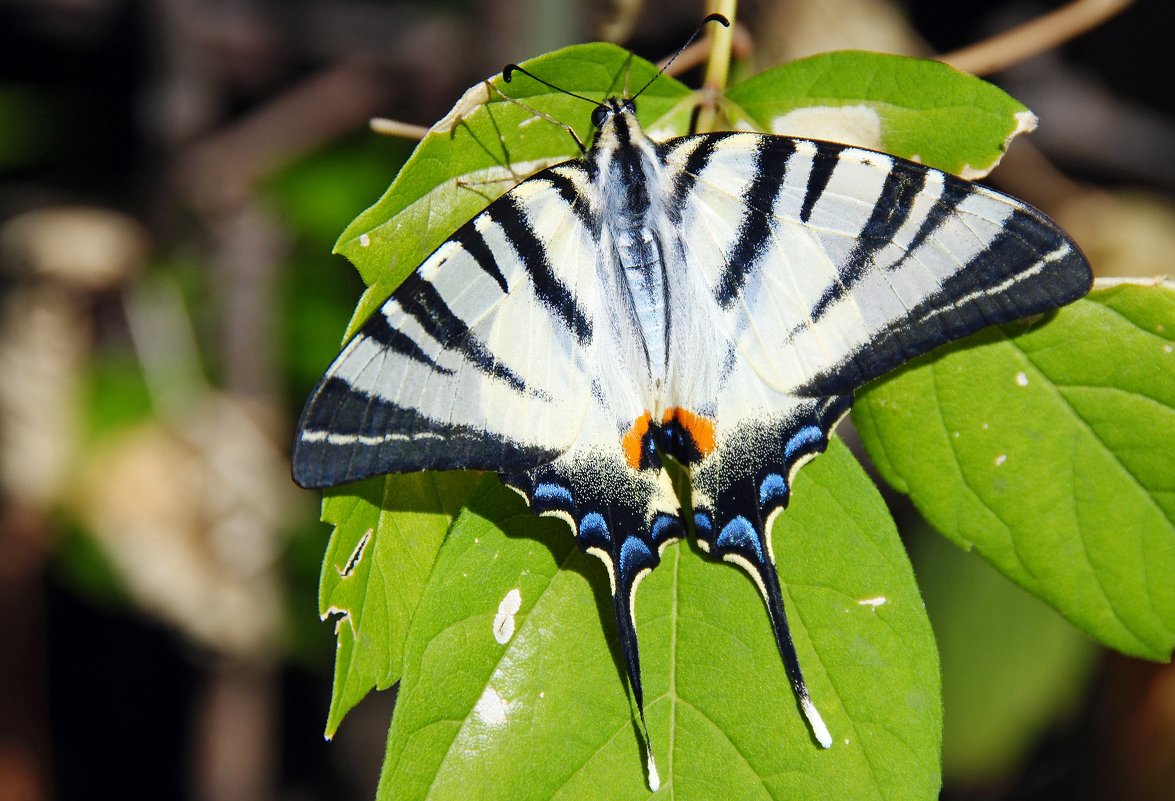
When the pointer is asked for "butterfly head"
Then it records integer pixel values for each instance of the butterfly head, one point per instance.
(616, 124)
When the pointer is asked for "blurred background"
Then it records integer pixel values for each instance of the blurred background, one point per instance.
(175, 173)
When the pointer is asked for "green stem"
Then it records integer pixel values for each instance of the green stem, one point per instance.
(721, 41)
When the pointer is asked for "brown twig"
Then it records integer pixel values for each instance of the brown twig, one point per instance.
(404, 130)
(1034, 37)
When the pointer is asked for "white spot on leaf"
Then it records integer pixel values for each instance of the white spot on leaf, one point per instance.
(364, 240)
(1021, 379)
(880, 600)
(474, 97)
(1025, 122)
(999, 460)
(853, 125)
(491, 709)
(1167, 349)
(504, 620)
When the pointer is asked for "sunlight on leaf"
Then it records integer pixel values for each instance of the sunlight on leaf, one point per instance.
(1050, 448)
(914, 108)
(387, 534)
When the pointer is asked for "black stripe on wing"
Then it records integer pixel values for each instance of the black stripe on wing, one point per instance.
(1029, 267)
(954, 192)
(823, 165)
(695, 163)
(576, 202)
(379, 330)
(469, 238)
(510, 215)
(420, 300)
(346, 435)
(772, 157)
(890, 212)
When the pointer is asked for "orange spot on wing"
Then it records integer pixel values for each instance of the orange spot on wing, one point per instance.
(701, 429)
(634, 439)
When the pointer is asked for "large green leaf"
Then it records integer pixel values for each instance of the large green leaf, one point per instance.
(911, 107)
(545, 713)
(1050, 448)
(387, 534)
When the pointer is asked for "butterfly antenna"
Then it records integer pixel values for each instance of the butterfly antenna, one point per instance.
(697, 31)
(509, 70)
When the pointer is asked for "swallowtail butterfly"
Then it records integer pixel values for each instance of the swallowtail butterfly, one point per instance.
(714, 299)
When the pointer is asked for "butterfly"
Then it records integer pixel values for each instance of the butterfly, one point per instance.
(714, 299)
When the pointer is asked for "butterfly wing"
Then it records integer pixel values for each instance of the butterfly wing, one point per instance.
(478, 359)
(835, 264)
(823, 267)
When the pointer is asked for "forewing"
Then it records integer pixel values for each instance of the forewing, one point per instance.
(833, 264)
(478, 359)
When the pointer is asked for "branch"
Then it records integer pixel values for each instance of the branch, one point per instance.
(1034, 37)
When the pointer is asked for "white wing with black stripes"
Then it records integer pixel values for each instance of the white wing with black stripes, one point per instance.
(478, 359)
(836, 264)
(715, 299)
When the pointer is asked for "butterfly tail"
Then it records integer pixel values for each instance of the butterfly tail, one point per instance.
(737, 500)
(628, 565)
(767, 577)
(626, 532)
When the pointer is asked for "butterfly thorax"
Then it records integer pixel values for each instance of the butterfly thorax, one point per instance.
(627, 171)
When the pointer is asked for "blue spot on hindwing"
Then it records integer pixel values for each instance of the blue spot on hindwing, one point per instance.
(703, 525)
(773, 488)
(593, 530)
(553, 493)
(634, 555)
(664, 526)
(806, 436)
(740, 534)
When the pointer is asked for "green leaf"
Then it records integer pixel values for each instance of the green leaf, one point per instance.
(915, 108)
(387, 534)
(484, 146)
(1050, 448)
(547, 714)
(1011, 666)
